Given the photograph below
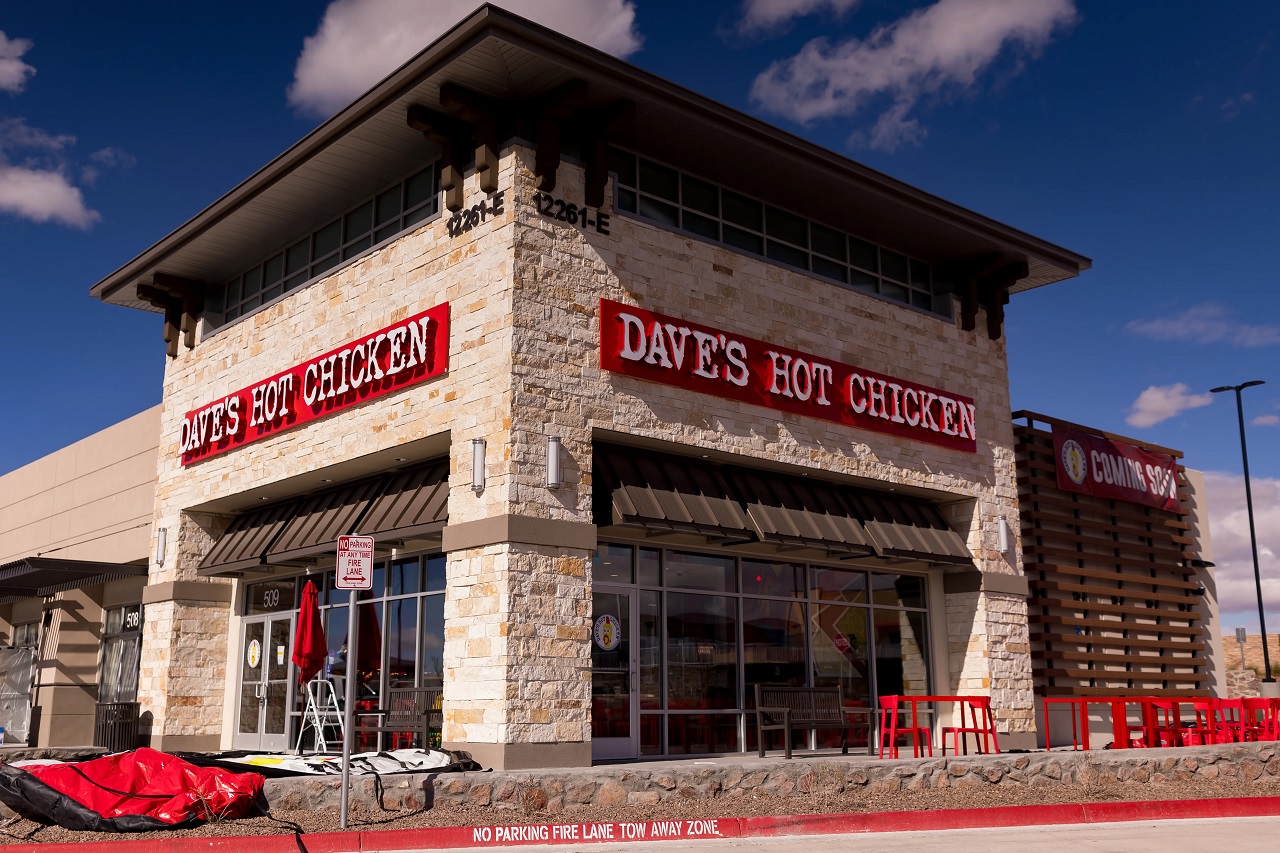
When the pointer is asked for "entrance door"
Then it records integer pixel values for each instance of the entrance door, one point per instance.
(615, 675)
(262, 722)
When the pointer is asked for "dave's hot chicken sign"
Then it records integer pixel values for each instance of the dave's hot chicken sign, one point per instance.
(677, 352)
(1093, 465)
(376, 363)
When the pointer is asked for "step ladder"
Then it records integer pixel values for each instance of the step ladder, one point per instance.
(321, 712)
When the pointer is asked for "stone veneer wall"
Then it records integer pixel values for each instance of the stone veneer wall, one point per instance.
(524, 364)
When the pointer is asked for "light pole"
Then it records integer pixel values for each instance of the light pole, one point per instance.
(1253, 536)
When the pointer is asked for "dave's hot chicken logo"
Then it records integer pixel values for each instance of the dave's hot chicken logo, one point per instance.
(1073, 461)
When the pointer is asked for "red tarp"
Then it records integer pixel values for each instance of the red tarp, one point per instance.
(128, 792)
(309, 646)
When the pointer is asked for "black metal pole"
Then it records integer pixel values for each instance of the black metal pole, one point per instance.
(1253, 538)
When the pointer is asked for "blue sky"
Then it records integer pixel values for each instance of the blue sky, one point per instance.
(1140, 135)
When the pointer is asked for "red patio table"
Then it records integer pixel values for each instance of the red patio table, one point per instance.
(916, 701)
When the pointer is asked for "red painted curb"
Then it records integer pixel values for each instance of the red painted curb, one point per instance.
(455, 837)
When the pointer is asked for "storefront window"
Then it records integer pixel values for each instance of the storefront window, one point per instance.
(121, 647)
(773, 644)
(841, 652)
(700, 571)
(702, 651)
(26, 635)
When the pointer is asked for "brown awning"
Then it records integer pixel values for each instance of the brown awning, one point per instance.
(908, 528)
(800, 512)
(666, 494)
(402, 504)
(40, 576)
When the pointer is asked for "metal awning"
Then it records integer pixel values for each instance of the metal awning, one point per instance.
(403, 504)
(36, 577)
(667, 494)
(800, 512)
(908, 528)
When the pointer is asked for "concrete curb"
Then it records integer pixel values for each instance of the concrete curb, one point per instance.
(506, 835)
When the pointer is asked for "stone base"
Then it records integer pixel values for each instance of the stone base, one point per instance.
(186, 743)
(527, 756)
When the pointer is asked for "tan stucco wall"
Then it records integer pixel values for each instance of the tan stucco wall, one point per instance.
(91, 500)
(524, 364)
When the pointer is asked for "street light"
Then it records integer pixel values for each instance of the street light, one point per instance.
(1248, 501)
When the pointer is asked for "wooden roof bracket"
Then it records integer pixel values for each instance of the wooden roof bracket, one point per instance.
(559, 104)
(986, 283)
(452, 135)
(601, 126)
(487, 116)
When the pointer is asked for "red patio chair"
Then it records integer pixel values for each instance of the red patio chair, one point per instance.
(1205, 729)
(1230, 720)
(975, 719)
(1167, 729)
(890, 730)
(1258, 719)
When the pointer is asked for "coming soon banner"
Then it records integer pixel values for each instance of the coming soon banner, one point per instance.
(1105, 468)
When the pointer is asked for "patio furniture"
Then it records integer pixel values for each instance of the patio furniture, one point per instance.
(813, 708)
(414, 710)
(890, 730)
(976, 720)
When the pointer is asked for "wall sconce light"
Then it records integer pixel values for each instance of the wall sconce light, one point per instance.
(162, 539)
(554, 480)
(1004, 539)
(477, 465)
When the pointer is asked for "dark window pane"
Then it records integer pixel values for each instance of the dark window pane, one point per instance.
(295, 258)
(838, 585)
(251, 303)
(773, 644)
(627, 200)
(335, 635)
(901, 652)
(700, 571)
(418, 215)
(624, 166)
(830, 269)
(841, 653)
(402, 641)
(651, 734)
(897, 590)
(273, 270)
(405, 577)
(649, 565)
(419, 188)
(326, 264)
(828, 242)
(702, 652)
(358, 221)
(699, 734)
(431, 659)
(863, 281)
(650, 649)
(788, 255)
(703, 226)
(612, 564)
(271, 293)
(436, 578)
(387, 205)
(895, 291)
(659, 211)
(295, 281)
(233, 293)
(271, 597)
(326, 240)
(213, 300)
(743, 211)
(893, 265)
(232, 312)
(386, 232)
(357, 247)
(863, 254)
(700, 195)
(252, 281)
(920, 273)
(767, 578)
(920, 299)
(659, 180)
(744, 240)
(781, 225)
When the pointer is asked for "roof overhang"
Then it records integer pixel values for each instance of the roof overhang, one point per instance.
(505, 57)
(36, 577)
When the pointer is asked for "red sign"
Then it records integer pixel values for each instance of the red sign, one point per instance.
(355, 563)
(383, 361)
(700, 358)
(1093, 465)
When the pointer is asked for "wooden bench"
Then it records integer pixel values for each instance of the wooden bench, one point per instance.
(789, 708)
(409, 709)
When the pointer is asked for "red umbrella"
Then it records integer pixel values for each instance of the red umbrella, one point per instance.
(309, 646)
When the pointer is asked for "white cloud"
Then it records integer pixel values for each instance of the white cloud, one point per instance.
(1161, 402)
(43, 195)
(1266, 420)
(761, 16)
(361, 41)
(13, 71)
(944, 47)
(1232, 556)
(34, 183)
(1206, 324)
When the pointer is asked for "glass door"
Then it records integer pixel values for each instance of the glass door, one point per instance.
(262, 720)
(615, 675)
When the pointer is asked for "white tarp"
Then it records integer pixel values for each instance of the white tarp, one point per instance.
(364, 763)
(16, 669)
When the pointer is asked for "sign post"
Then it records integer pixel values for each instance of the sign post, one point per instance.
(354, 572)
(1240, 635)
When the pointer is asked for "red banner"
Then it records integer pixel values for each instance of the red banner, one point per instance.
(384, 361)
(687, 355)
(1092, 465)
